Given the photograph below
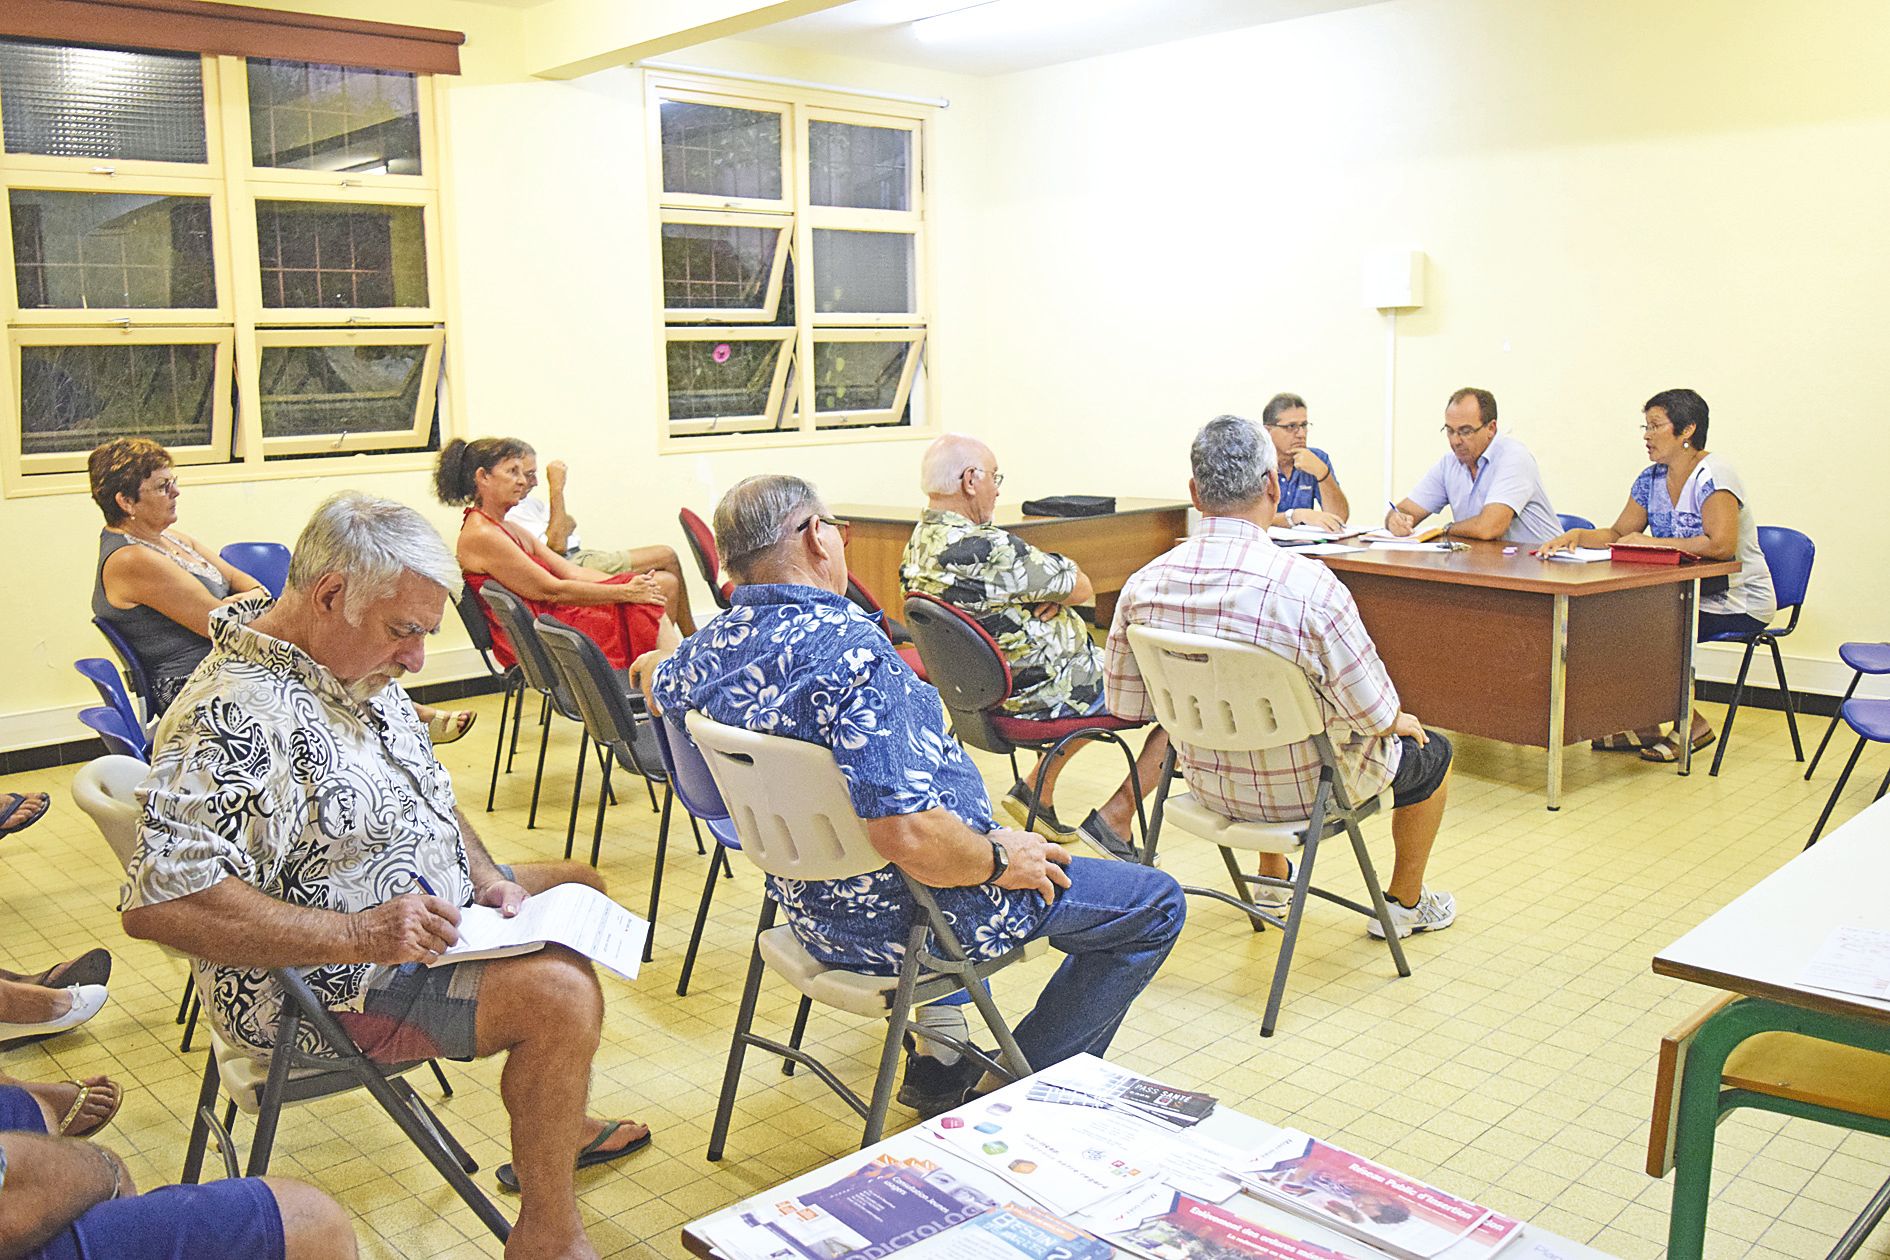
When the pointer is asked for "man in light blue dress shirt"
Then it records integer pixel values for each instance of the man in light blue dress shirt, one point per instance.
(1490, 482)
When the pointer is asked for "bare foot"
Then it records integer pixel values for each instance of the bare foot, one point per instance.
(529, 1242)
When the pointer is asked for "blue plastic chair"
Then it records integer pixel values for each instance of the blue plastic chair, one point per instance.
(1788, 556)
(1863, 658)
(1871, 720)
(267, 562)
(103, 675)
(1571, 521)
(119, 738)
(695, 788)
(134, 667)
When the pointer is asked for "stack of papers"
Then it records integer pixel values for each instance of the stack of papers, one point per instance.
(1582, 555)
(1852, 960)
(579, 918)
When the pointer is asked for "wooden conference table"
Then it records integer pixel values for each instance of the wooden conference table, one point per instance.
(1227, 1128)
(1108, 548)
(1757, 947)
(1527, 651)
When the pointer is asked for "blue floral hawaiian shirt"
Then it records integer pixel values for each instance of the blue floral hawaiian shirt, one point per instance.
(805, 663)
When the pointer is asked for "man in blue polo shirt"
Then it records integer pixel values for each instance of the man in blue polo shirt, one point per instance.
(1490, 482)
(1309, 488)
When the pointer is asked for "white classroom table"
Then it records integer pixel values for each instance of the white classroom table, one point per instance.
(1226, 1126)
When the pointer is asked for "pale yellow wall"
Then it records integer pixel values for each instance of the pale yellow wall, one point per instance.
(1616, 196)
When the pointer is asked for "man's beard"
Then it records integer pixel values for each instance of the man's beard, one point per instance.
(365, 689)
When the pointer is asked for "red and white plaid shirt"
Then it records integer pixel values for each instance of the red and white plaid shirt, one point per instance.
(1229, 581)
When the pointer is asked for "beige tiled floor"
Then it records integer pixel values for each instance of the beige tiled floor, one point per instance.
(1515, 1065)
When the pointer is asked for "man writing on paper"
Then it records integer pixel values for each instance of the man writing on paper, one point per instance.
(295, 816)
(1490, 482)
(793, 657)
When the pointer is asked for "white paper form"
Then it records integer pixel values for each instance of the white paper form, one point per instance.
(1582, 555)
(1853, 959)
(572, 915)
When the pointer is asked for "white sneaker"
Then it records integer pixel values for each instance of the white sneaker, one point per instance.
(1434, 912)
(1277, 900)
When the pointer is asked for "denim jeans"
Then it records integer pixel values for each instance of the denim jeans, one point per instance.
(1115, 923)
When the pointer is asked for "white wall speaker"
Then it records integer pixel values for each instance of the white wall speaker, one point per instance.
(1394, 278)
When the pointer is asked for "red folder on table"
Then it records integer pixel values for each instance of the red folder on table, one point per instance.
(1641, 553)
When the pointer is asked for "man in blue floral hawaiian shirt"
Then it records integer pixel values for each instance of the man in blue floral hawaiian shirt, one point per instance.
(793, 657)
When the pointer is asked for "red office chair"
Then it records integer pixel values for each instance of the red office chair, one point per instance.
(974, 680)
(701, 541)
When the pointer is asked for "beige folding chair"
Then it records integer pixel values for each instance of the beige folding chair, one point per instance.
(1236, 697)
(790, 807)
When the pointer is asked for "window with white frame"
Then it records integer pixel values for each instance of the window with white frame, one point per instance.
(237, 256)
(795, 292)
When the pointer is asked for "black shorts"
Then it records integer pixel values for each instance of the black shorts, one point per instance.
(1421, 770)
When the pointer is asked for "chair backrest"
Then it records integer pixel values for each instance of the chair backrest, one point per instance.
(267, 562)
(602, 701)
(1788, 555)
(688, 772)
(120, 739)
(1229, 697)
(788, 801)
(965, 664)
(103, 675)
(107, 791)
(540, 674)
(1572, 521)
(466, 604)
(701, 541)
(134, 666)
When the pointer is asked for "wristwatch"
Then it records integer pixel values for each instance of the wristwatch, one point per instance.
(1000, 862)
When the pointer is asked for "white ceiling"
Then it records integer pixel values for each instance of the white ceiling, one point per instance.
(1003, 36)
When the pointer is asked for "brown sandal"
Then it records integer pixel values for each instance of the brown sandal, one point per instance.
(74, 1123)
(1621, 741)
(1667, 751)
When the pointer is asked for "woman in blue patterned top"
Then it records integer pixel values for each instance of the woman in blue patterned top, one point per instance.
(1694, 502)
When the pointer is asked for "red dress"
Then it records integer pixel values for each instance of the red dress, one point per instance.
(624, 631)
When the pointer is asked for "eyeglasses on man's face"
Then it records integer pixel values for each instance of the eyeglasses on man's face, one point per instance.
(1466, 430)
(1297, 428)
(844, 527)
(997, 478)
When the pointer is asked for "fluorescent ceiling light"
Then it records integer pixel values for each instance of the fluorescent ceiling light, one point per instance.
(992, 19)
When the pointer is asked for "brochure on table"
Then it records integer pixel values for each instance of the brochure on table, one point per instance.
(1083, 1153)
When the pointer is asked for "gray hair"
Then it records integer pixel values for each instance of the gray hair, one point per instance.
(947, 459)
(752, 518)
(1232, 460)
(370, 542)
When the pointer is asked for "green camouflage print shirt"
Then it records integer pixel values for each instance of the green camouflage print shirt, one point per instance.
(1056, 668)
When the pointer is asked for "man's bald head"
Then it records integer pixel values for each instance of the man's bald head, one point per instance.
(943, 469)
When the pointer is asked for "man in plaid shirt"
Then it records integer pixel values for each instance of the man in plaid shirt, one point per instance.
(1230, 582)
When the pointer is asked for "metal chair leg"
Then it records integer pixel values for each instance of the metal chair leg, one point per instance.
(1791, 703)
(1837, 790)
(577, 793)
(446, 1086)
(184, 1000)
(696, 830)
(538, 779)
(190, 1024)
(716, 860)
(738, 1044)
(800, 1031)
(603, 793)
(1289, 935)
(1836, 713)
(656, 871)
(498, 745)
(1732, 711)
(200, 1128)
(892, 1053)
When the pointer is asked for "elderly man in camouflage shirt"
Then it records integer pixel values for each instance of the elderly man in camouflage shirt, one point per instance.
(1024, 598)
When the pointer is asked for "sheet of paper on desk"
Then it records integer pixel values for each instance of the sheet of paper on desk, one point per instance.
(1583, 555)
(1853, 959)
(579, 918)
(1301, 533)
(1067, 1160)
(1404, 544)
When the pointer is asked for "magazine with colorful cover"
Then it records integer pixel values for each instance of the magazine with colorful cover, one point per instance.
(878, 1208)
(1015, 1231)
(1375, 1204)
(1193, 1230)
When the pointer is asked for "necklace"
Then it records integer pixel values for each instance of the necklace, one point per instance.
(184, 557)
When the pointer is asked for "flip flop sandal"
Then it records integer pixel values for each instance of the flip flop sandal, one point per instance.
(447, 725)
(1622, 741)
(94, 966)
(1666, 752)
(69, 1124)
(10, 805)
(589, 1157)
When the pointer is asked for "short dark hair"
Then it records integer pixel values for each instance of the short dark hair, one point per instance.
(459, 460)
(120, 467)
(1687, 410)
(1280, 403)
(1486, 402)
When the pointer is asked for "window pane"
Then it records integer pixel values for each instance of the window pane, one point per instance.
(868, 168)
(858, 375)
(74, 397)
(721, 378)
(333, 118)
(715, 265)
(716, 151)
(87, 250)
(328, 255)
(340, 389)
(863, 271)
(101, 102)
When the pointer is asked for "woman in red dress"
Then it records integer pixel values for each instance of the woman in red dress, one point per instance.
(623, 614)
